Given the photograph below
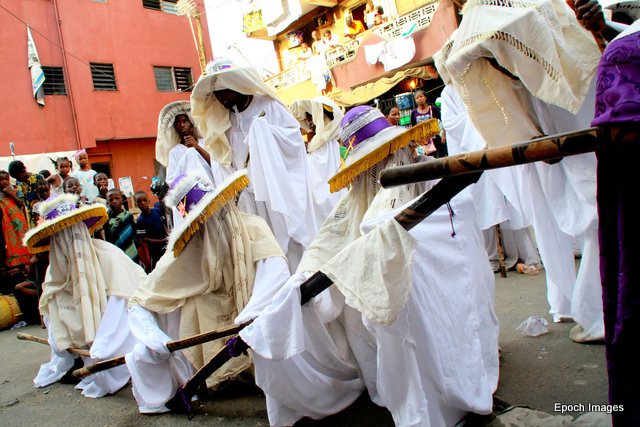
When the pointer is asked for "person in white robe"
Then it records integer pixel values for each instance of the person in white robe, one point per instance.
(180, 147)
(495, 194)
(216, 260)
(84, 294)
(320, 117)
(410, 318)
(246, 126)
(533, 75)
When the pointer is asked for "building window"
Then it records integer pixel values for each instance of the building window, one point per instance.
(168, 6)
(104, 78)
(54, 81)
(172, 79)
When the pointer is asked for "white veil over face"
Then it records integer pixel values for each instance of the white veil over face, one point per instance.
(326, 129)
(82, 274)
(211, 117)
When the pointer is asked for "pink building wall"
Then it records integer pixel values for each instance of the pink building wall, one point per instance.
(120, 32)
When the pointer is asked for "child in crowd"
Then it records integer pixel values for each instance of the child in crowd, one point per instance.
(14, 225)
(63, 168)
(85, 175)
(45, 173)
(26, 187)
(101, 181)
(150, 228)
(43, 189)
(120, 229)
(72, 185)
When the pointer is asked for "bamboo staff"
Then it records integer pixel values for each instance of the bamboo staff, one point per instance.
(171, 345)
(411, 216)
(27, 337)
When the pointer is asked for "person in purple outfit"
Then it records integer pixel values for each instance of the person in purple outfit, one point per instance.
(618, 110)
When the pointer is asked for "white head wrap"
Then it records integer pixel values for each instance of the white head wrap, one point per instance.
(211, 117)
(167, 135)
(538, 41)
(326, 129)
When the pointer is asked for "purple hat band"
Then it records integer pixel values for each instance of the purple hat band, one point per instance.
(62, 208)
(370, 130)
(362, 123)
(193, 197)
(190, 194)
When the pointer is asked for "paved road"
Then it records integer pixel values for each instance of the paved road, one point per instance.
(535, 372)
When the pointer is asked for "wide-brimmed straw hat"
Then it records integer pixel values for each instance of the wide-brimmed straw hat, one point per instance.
(370, 137)
(197, 201)
(59, 212)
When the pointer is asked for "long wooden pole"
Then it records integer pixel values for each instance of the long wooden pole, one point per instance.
(546, 148)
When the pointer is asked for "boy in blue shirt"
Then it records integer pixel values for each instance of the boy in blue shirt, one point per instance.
(150, 228)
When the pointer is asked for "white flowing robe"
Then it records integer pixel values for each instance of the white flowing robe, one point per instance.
(265, 139)
(495, 194)
(323, 164)
(437, 361)
(231, 257)
(554, 59)
(155, 372)
(84, 302)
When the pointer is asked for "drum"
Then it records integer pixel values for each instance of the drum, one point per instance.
(10, 312)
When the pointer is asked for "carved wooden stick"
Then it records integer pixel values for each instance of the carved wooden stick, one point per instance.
(23, 336)
(171, 345)
(552, 147)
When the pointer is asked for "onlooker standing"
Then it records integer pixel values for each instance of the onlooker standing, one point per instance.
(72, 185)
(101, 181)
(425, 112)
(85, 175)
(14, 225)
(63, 167)
(150, 228)
(318, 47)
(120, 229)
(393, 115)
(369, 14)
(26, 187)
(330, 40)
(353, 27)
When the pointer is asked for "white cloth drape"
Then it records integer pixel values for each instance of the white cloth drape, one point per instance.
(156, 373)
(266, 139)
(495, 194)
(437, 361)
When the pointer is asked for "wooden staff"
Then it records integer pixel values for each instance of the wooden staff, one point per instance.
(23, 336)
(428, 203)
(171, 345)
(553, 147)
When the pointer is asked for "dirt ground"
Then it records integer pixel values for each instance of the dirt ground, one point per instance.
(539, 373)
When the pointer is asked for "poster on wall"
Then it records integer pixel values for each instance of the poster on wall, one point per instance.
(126, 185)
